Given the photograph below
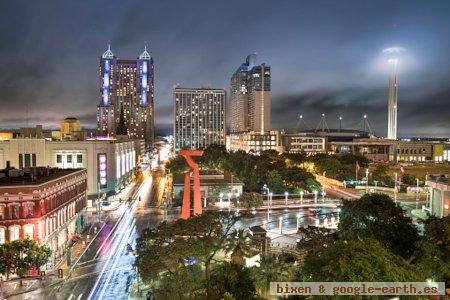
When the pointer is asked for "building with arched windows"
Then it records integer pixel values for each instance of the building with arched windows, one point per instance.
(45, 204)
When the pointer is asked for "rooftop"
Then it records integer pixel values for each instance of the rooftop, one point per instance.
(31, 176)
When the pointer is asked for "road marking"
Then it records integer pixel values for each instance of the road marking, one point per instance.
(79, 297)
(70, 297)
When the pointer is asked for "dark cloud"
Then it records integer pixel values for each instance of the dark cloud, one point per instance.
(323, 56)
(417, 116)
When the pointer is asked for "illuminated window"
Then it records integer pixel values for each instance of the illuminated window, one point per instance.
(28, 231)
(14, 233)
(2, 235)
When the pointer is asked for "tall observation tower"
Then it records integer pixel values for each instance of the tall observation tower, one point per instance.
(392, 101)
(392, 55)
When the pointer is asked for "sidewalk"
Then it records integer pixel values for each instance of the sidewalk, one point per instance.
(29, 284)
(12, 287)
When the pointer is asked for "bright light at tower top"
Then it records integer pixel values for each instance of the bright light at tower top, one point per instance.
(393, 50)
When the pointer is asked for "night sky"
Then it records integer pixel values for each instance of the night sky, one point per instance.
(325, 57)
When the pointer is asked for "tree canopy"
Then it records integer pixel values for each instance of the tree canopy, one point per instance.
(377, 216)
(358, 260)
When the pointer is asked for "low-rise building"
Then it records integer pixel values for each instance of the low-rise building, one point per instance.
(45, 204)
(440, 195)
(211, 185)
(110, 163)
(254, 141)
(301, 143)
(376, 149)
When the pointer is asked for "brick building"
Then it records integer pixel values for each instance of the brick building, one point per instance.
(43, 204)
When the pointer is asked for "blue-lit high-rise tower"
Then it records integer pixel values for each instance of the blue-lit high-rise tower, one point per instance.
(127, 87)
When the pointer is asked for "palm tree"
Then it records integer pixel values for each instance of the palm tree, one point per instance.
(239, 245)
(271, 268)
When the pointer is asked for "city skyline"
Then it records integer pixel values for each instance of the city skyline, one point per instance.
(321, 62)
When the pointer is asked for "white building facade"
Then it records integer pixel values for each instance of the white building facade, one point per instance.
(109, 163)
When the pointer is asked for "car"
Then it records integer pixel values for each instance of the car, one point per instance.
(106, 203)
(314, 210)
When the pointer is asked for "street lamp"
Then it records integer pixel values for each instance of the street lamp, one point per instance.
(417, 192)
(298, 221)
(367, 180)
(286, 194)
(315, 196)
(270, 197)
(280, 224)
(220, 199)
(301, 197)
(395, 187)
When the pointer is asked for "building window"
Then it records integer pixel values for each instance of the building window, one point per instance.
(33, 156)
(27, 160)
(2, 212)
(14, 211)
(58, 158)
(2, 235)
(79, 158)
(20, 161)
(28, 231)
(69, 159)
(29, 210)
(14, 233)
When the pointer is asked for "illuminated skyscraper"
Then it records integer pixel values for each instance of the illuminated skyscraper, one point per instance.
(250, 97)
(126, 86)
(199, 117)
(392, 102)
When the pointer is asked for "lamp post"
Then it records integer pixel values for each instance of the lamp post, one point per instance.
(315, 196)
(417, 193)
(286, 194)
(270, 198)
(367, 180)
(395, 187)
(298, 221)
(280, 224)
(301, 197)
(268, 201)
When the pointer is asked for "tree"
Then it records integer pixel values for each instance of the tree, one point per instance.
(380, 174)
(249, 200)
(239, 245)
(296, 179)
(409, 179)
(214, 157)
(20, 256)
(275, 182)
(177, 165)
(432, 251)
(232, 280)
(167, 248)
(271, 268)
(358, 260)
(377, 216)
(330, 166)
(187, 283)
(314, 238)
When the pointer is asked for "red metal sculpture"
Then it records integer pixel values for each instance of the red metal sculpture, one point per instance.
(193, 168)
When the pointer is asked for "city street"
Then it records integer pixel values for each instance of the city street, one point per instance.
(105, 268)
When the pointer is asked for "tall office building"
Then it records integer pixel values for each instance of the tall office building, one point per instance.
(127, 89)
(392, 102)
(250, 97)
(199, 117)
